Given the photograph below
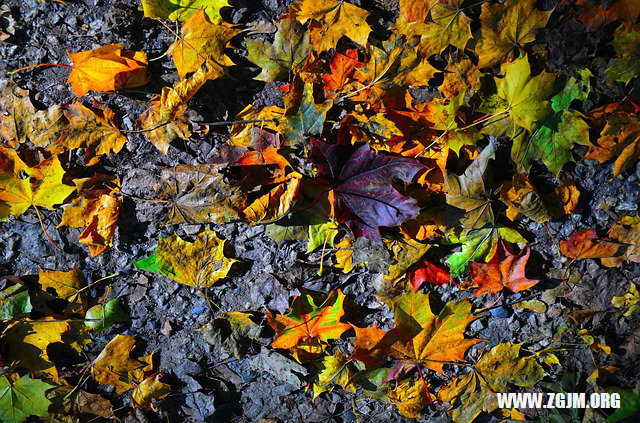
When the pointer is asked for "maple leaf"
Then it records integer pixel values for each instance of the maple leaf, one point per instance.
(344, 255)
(626, 230)
(405, 252)
(276, 203)
(42, 187)
(202, 41)
(331, 20)
(333, 370)
(91, 128)
(595, 15)
(199, 194)
(427, 272)
(20, 121)
(586, 244)
(479, 244)
(164, 121)
(448, 26)
(506, 26)
(468, 191)
(96, 210)
(101, 317)
(461, 76)
(22, 398)
(342, 66)
(496, 371)
(267, 120)
(362, 196)
(233, 331)
(525, 95)
(372, 346)
(307, 321)
(200, 263)
(627, 46)
(66, 286)
(629, 301)
(568, 195)
(289, 49)
(26, 343)
(181, 10)
(434, 339)
(504, 270)
(115, 367)
(107, 68)
(14, 302)
(620, 137)
(305, 119)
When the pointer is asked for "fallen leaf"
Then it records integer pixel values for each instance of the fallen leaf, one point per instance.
(496, 371)
(342, 66)
(22, 398)
(289, 49)
(428, 272)
(411, 397)
(307, 321)
(93, 129)
(626, 230)
(344, 255)
(520, 196)
(22, 187)
(201, 41)
(462, 76)
(333, 370)
(469, 193)
(595, 15)
(448, 26)
(66, 286)
(307, 119)
(630, 301)
(20, 121)
(107, 68)
(97, 210)
(14, 302)
(525, 95)
(405, 252)
(181, 10)
(234, 331)
(164, 120)
(360, 182)
(330, 21)
(101, 317)
(505, 27)
(504, 270)
(200, 263)
(586, 244)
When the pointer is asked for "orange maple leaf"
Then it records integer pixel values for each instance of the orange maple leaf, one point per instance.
(107, 68)
(586, 244)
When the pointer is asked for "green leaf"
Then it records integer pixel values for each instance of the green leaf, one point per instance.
(289, 49)
(575, 89)
(181, 10)
(308, 119)
(552, 142)
(629, 405)
(23, 398)
(320, 232)
(14, 302)
(102, 317)
(478, 245)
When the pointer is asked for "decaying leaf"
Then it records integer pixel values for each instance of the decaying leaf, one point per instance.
(200, 263)
(107, 68)
(233, 331)
(410, 397)
(626, 230)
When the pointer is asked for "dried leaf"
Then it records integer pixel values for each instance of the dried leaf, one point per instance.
(626, 230)
(586, 244)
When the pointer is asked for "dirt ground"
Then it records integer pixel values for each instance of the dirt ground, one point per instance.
(209, 384)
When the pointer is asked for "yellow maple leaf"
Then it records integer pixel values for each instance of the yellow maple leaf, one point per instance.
(41, 187)
(201, 40)
(164, 121)
(331, 20)
(411, 397)
(448, 26)
(506, 26)
(276, 203)
(65, 285)
(107, 68)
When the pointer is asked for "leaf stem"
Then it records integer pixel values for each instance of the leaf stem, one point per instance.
(45, 230)
(37, 65)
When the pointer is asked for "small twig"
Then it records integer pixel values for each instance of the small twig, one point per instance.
(45, 230)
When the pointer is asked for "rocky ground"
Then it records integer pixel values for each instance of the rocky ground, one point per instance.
(209, 383)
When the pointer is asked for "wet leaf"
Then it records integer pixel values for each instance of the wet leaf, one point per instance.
(200, 263)
(107, 68)
(22, 398)
(289, 49)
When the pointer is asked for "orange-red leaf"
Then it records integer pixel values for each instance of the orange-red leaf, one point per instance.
(586, 244)
(342, 67)
(505, 270)
(430, 273)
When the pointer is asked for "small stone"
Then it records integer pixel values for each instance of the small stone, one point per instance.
(166, 328)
